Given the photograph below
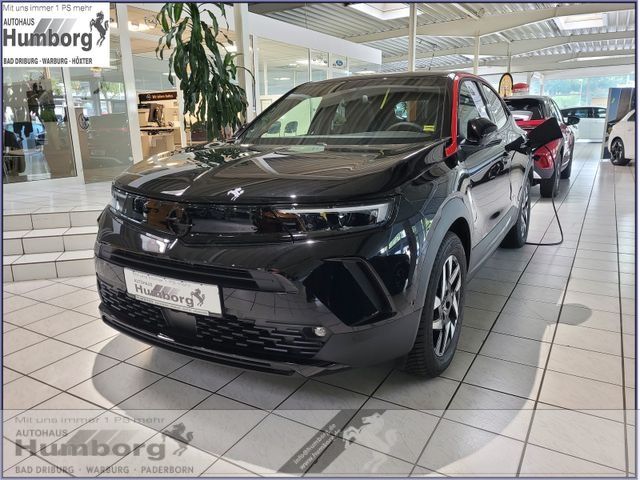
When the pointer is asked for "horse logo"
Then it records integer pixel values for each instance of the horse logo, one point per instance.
(102, 28)
(199, 296)
(177, 432)
(368, 435)
(235, 193)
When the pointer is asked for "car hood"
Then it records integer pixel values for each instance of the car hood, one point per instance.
(245, 174)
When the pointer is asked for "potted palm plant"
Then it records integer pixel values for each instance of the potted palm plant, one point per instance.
(205, 68)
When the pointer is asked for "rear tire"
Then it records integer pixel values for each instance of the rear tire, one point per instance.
(517, 236)
(441, 318)
(566, 173)
(549, 186)
(618, 153)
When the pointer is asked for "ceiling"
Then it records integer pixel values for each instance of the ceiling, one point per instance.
(532, 34)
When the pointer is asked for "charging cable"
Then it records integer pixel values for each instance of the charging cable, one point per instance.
(555, 211)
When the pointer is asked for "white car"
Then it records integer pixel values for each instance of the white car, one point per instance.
(592, 120)
(622, 140)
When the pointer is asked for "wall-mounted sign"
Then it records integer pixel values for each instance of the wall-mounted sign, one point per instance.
(157, 96)
(505, 87)
(55, 34)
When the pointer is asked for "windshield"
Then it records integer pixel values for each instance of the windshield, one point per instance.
(525, 109)
(363, 111)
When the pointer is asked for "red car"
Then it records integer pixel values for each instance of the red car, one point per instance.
(553, 160)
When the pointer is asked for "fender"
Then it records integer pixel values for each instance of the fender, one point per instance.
(449, 212)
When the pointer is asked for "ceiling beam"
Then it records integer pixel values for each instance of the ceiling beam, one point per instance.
(542, 62)
(266, 8)
(488, 24)
(518, 47)
(545, 67)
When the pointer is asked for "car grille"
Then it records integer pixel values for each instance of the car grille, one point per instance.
(234, 336)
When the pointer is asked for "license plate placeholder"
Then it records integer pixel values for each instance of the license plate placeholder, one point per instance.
(172, 293)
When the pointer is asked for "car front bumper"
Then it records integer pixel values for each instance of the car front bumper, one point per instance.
(271, 309)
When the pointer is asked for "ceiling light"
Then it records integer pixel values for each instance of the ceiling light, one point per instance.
(282, 78)
(384, 11)
(577, 22)
(365, 72)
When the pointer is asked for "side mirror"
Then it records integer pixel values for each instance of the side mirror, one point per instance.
(571, 120)
(479, 128)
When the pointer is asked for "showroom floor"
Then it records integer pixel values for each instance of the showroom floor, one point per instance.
(543, 382)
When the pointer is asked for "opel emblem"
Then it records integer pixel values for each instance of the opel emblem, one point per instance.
(178, 221)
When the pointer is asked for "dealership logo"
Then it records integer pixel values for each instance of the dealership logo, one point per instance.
(55, 34)
(102, 28)
(235, 193)
(177, 431)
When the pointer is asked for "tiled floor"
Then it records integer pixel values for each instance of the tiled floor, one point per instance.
(543, 382)
(55, 198)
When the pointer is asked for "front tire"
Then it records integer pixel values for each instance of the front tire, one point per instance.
(618, 153)
(441, 318)
(549, 186)
(517, 236)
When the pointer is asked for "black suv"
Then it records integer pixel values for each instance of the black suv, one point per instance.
(337, 229)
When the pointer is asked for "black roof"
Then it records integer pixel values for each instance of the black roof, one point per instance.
(390, 75)
(528, 97)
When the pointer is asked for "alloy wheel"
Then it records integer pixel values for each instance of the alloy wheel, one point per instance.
(616, 151)
(446, 308)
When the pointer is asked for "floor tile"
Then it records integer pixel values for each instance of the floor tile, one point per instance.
(16, 303)
(207, 375)
(516, 349)
(461, 450)
(25, 393)
(577, 393)
(31, 314)
(471, 339)
(88, 334)
(391, 429)
(159, 360)
(39, 355)
(320, 405)
(114, 385)
(490, 410)
(73, 369)
(588, 338)
(277, 445)
(503, 376)
(218, 423)
(361, 380)
(585, 363)
(541, 462)
(9, 375)
(160, 404)
(478, 318)
(261, 390)
(524, 326)
(18, 339)
(581, 435)
(411, 391)
(120, 347)
(60, 323)
(586, 317)
(352, 459)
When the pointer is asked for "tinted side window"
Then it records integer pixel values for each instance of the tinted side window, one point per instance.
(470, 105)
(580, 112)
(496, 109)
(600, 112)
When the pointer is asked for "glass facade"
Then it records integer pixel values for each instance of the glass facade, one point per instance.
(75, 122)
(37, 139)
(589, 91)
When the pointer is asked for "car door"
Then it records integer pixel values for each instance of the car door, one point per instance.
(629, 132)
(600, 119)
(486, 166)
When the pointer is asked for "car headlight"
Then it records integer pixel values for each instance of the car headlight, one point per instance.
(118, 199)
(334, 218)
